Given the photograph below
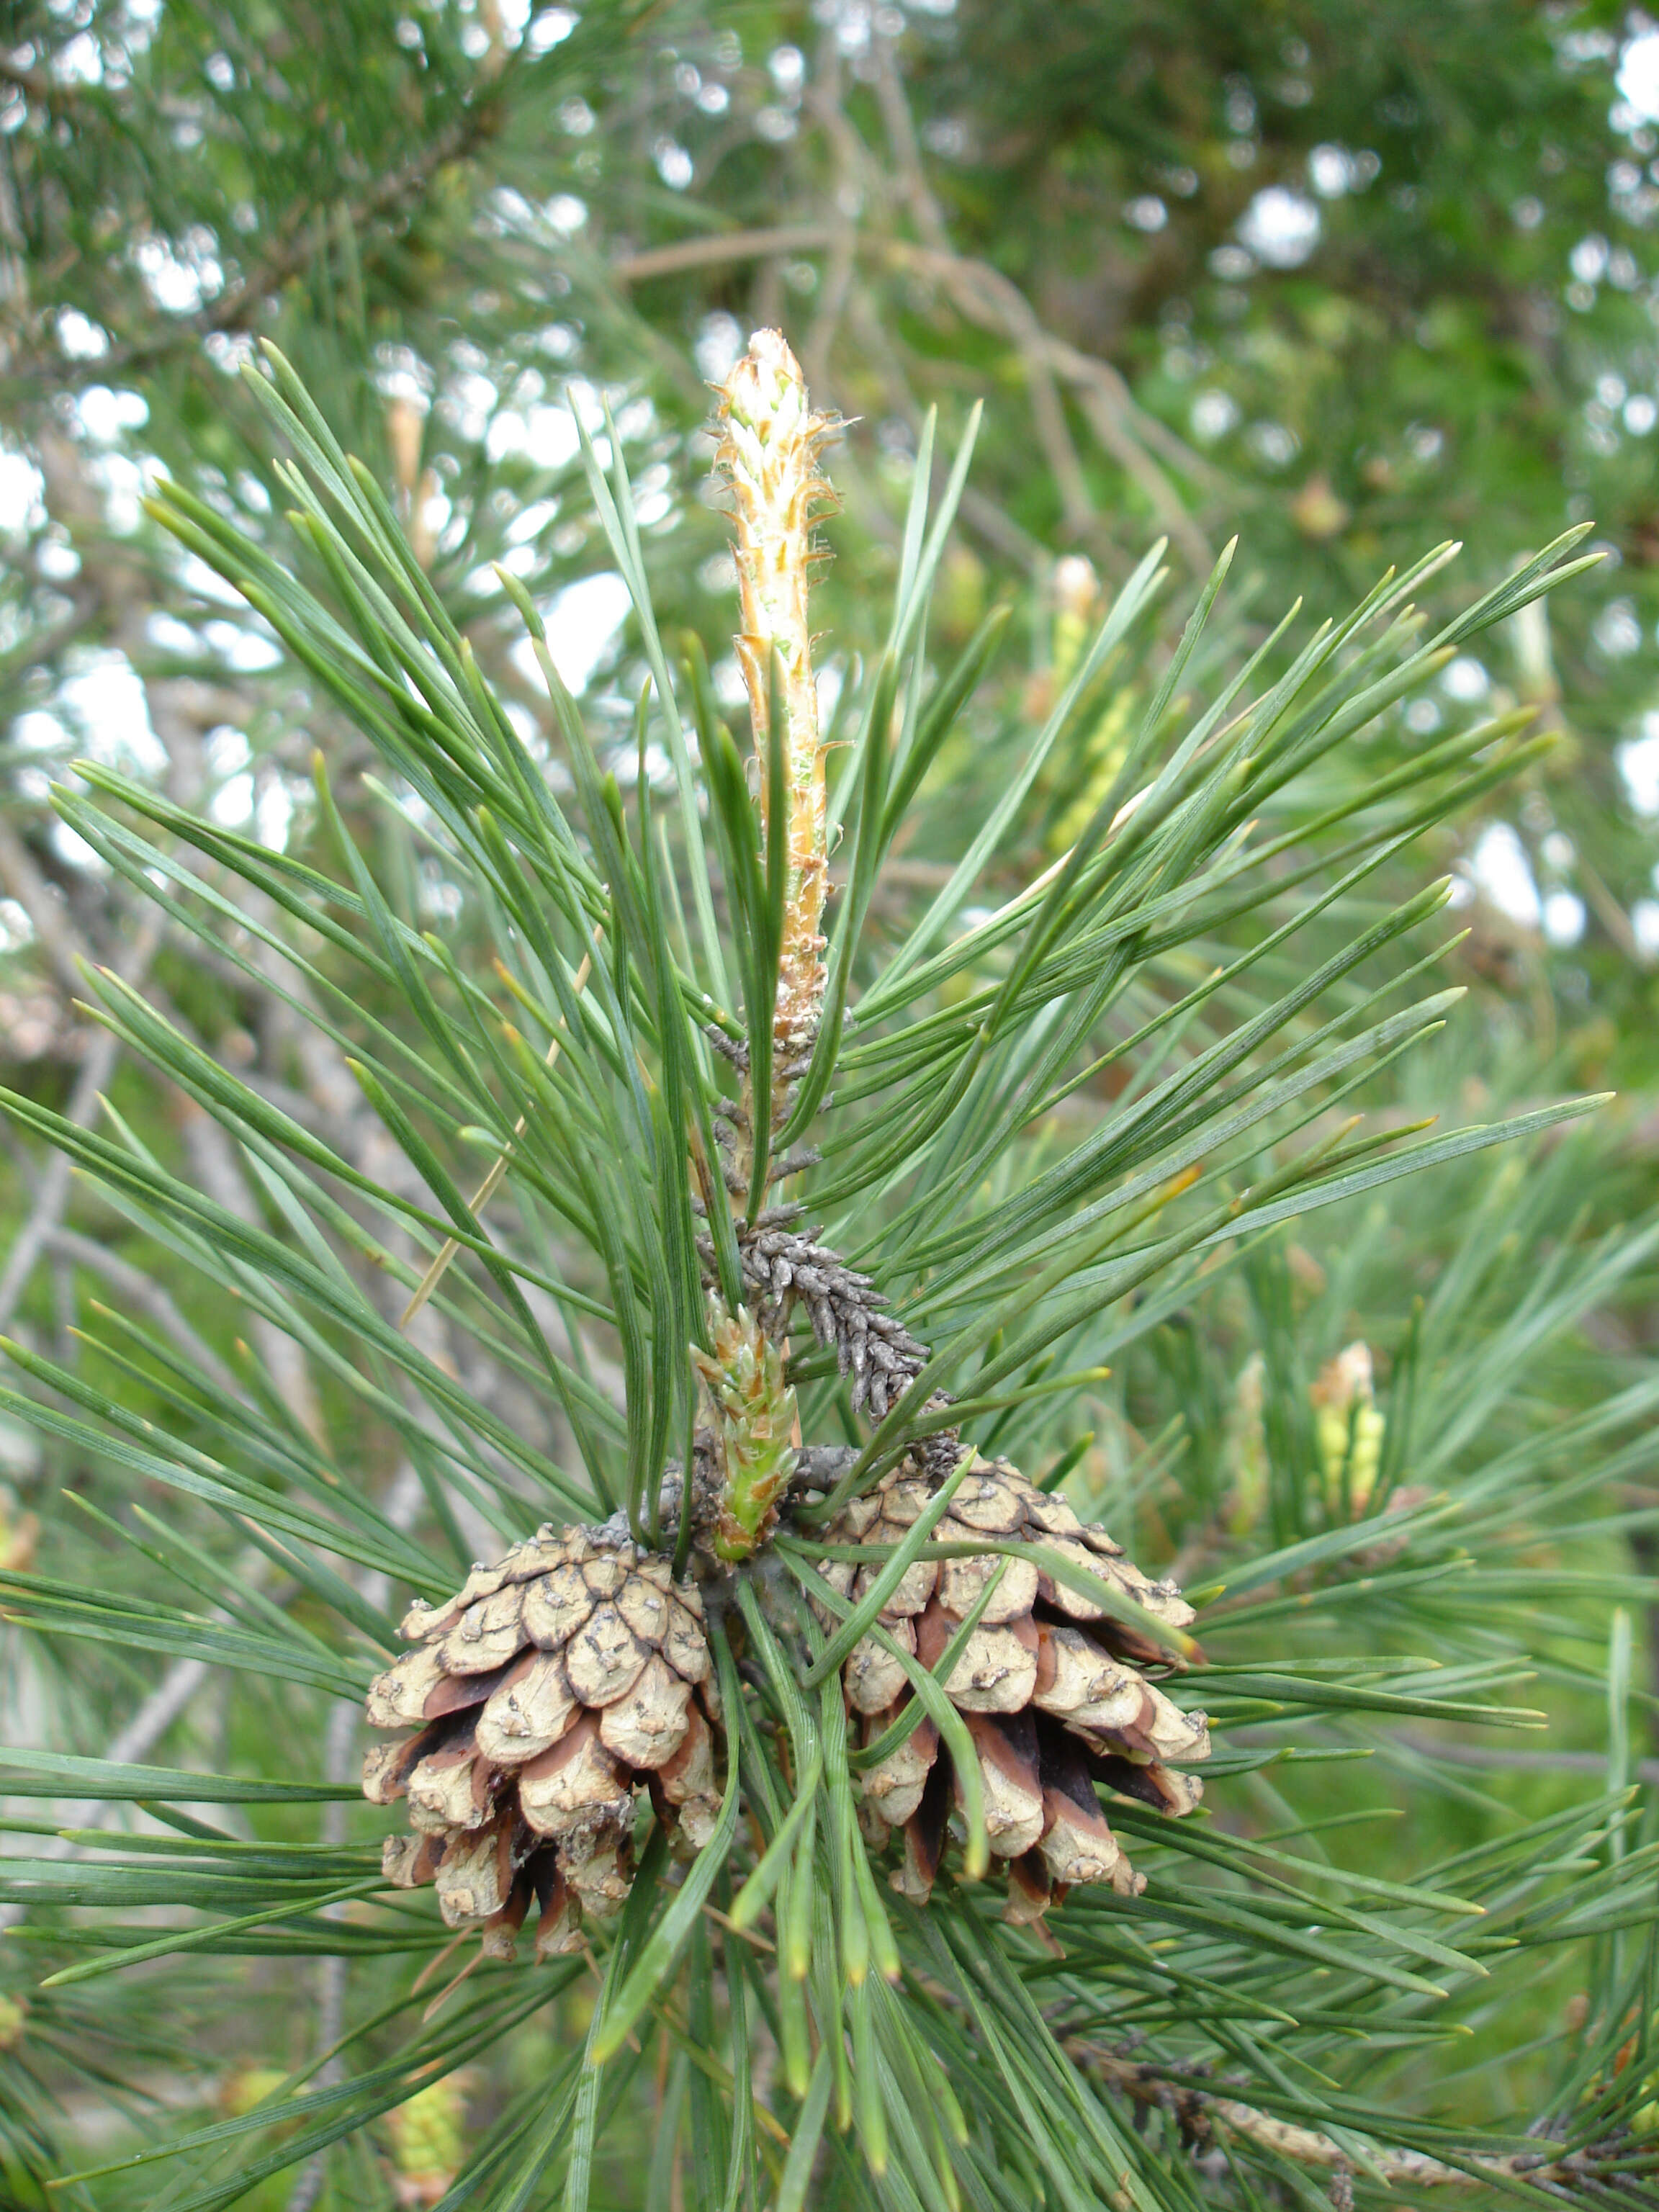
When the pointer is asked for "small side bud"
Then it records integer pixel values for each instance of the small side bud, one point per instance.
(755, 1427)
(1348, 1426)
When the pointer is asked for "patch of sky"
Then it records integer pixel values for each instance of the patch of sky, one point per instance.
(582, 623)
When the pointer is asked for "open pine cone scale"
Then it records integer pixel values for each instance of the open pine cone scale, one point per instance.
(1051, 1687)
(534, 1706)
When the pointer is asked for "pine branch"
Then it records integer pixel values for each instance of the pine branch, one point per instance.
(1202, 2113)
(392, 199)
(97, 1066)
(767, 1609)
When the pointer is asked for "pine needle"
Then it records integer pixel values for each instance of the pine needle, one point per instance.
(487, 1189)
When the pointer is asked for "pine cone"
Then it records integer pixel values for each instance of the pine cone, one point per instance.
(549, 1688)
(1050, 1687)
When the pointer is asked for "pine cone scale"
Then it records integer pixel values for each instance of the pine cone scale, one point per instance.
(557, 1929)
(685, 1782)
(487, 1635)
(893, 1785)
(924, 1837)
(985, 1507)
(450, 1789)
(647, 1725)
(605, 1658)
(556, 1607)
(997, 1671)
(1078, 1845)
(409, 1862)
(458, 1694)
(961, 1581)
(915, 1587)
(874, 1678)
(475, 1876)
(684, 1644)
(423, 1622)
(1007, 1750)
(572, 1789)
(398, 1698)
(529, 1711)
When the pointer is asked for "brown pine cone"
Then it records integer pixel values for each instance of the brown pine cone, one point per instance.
(1051, 1688)
(548, 1690)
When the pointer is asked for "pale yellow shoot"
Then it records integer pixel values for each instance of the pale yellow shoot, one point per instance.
(768, 455)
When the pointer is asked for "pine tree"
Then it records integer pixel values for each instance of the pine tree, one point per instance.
(805, 1254)
(1393, 1449)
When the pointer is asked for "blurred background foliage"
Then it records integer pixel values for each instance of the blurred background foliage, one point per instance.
(1346, 278)
(1343, 279)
